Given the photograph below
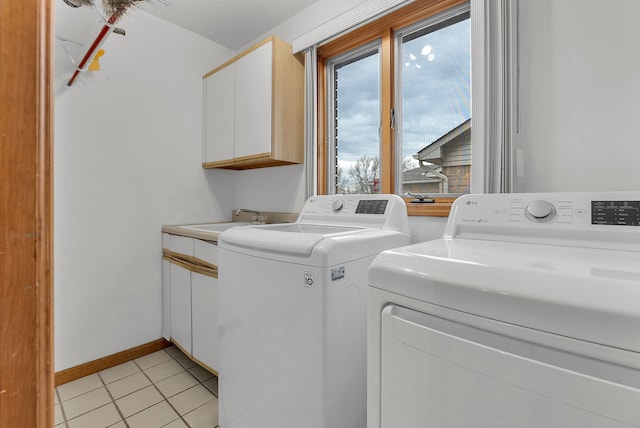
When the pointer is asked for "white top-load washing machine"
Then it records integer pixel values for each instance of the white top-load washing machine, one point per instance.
(293, 303)
(525, 314)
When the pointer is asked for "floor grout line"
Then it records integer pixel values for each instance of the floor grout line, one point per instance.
(160, 392)
(200, 382)
(114, 401)
(64, 417)
(178, 358)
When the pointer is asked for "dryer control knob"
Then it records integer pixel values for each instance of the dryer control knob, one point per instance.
(540, 211)
(337, 205)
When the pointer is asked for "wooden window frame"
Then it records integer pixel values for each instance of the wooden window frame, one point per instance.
(382, 29)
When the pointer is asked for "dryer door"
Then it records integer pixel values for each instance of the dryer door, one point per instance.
(440, 373)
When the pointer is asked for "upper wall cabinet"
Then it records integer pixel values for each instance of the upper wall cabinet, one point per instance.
(254, 109)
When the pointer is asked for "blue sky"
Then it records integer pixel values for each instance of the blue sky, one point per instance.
(436, 93)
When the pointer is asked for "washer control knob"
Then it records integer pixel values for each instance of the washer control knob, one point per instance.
(337, 205)
(540, 211)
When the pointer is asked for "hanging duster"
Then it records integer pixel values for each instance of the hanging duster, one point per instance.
(115, 9)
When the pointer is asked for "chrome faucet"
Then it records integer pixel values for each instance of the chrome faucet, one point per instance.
(258, 217)
(242, 210)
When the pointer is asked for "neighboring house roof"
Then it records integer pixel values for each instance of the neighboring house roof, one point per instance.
(433, 152)
(418, 175)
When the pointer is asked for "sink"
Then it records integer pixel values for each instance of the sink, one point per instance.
(214, 227)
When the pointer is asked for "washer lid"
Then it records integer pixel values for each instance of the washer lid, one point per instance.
(584, 293)
(290, 238)
(313, 229)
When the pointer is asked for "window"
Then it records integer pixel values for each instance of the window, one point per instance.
(354, 83)
(434, 106)
(394, 104)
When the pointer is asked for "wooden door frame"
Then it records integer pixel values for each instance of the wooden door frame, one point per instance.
(26, 218)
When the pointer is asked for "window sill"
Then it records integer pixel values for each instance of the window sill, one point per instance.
(440, 208)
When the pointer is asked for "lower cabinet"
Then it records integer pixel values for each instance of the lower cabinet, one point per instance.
(166, 298)
(190, 304)
(181, 307)
(204, 315)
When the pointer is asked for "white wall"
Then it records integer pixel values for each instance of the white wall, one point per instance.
(127, 161)
(315, 15)
(426, 228)
(579, 95)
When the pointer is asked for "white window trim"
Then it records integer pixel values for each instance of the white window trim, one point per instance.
(311, 121)
(359, 15)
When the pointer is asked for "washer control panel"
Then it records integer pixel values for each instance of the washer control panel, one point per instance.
(337, 205)
(349, 204)
(373, 210)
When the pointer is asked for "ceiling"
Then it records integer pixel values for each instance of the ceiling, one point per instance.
(230, 23)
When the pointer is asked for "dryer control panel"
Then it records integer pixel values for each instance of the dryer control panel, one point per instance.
(615, 213)
(561, 217)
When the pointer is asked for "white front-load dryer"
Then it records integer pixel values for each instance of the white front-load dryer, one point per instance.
(292, 321)
(526, 314)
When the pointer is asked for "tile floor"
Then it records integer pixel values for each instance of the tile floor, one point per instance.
(163, 389)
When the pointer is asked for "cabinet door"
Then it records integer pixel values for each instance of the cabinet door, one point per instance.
(181, 307)
(205, 319)
(166, 299)
(253, 102)
(218, 130)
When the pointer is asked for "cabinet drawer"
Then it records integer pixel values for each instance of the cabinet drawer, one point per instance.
(206, 252)
(181, 245)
